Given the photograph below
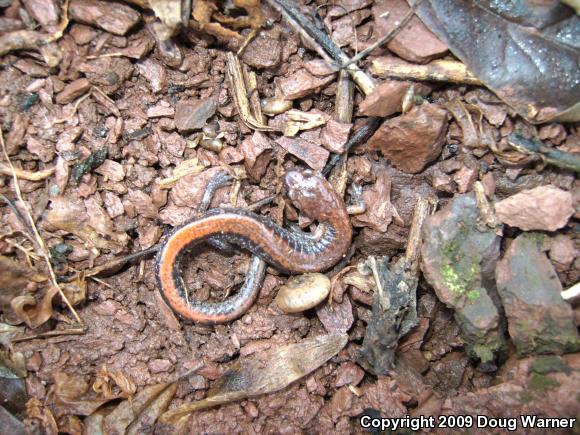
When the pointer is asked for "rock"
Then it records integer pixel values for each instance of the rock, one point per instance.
(10, 24)
(442, 182)
(313, 155)
(111, 170)
(338, 317)
(143, 204)
(263, 52)
(413, 140)
(319, 67)
(192, 115)
(82, 34)
(349, 374)
(45, 151)
(415, 42)
(562, 251)
(386, 99)
(542, 208)
(465, 178)
(372, 242)
(458, 260)
(334, 135)
(257, 152)
(377, 198)
(116, 18)
(555, 133)
(149, 235)
(491, 107)
(551, 393)
(539, 320)
(31, 68)
(108, 73)
(190, 189)
(113, 204)
(159, 365)
(302, 83)
(160, 110)
(45, 12)
(154, 73)
(73, 90)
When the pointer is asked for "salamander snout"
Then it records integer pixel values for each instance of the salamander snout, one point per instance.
(311, 193)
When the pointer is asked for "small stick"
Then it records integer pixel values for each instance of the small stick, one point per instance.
(27, 175)
(437, 71)
(552, 156)
(387, 38)
(48, 334)
(110, 264)
(358, 137)
(423, 209)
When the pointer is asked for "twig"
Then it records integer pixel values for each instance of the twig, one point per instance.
(110, 264)
(423, 209)
(63, 24)
(27, 175)
(359, 136)
(39, 239)
(305, 27)
(536, 148)
(388, 37)
(72, 331)
(440, 70)
(75, 108)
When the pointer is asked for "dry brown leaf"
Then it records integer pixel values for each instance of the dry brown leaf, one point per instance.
(12, 364)
(262, 374)
(33, 312)
(131, 415)
(298, 120)
(93, 228)
(14, 276)
(71, 394)
(107, 380)
(39, 419)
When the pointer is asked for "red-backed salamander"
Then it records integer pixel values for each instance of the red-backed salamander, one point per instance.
(292, 251)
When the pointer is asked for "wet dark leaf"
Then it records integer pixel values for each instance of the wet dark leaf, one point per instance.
(526, 56)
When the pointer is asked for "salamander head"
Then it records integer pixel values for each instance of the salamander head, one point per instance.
(312, 194)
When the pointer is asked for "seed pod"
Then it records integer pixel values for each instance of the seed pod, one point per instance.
(214, 145)
(275, 105)
(303, 292)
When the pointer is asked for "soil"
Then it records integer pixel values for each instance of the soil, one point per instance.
(117, 116)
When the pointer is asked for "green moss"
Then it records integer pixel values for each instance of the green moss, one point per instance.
(461, 281)
(473, 295)
(484, 353)
(526, 397)
(549, 364)
(541, 383)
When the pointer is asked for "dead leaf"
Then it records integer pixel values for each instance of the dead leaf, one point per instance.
(130, 416)
(94, 229)
(107, 380)
(269, 372)
(14, 276)
(522, 57)
(71, 394)
(39, 419)
(32, 312)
